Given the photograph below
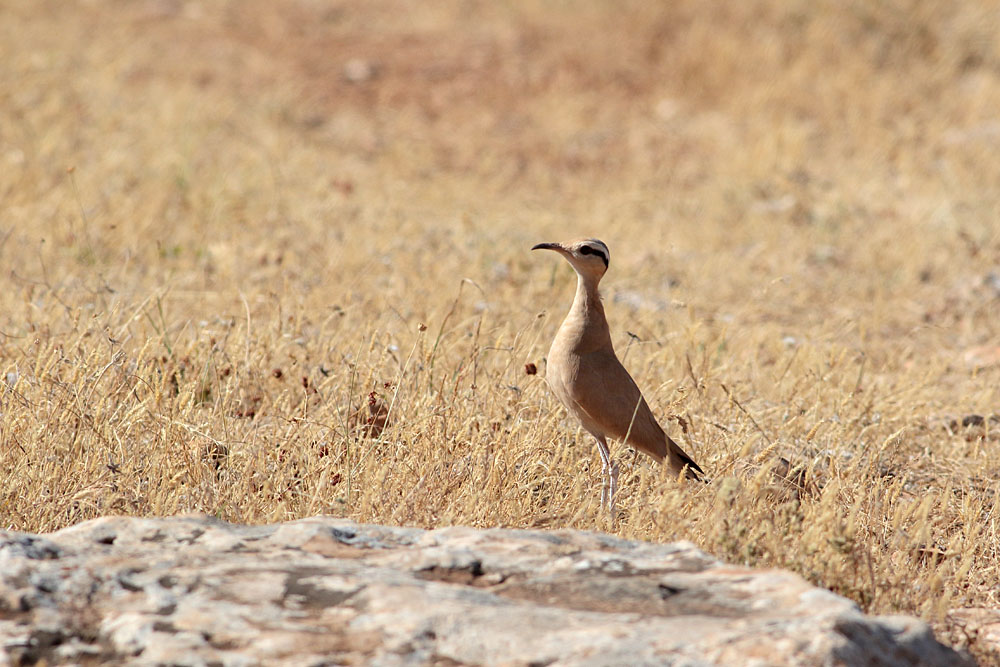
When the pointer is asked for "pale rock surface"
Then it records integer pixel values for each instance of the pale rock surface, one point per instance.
(977, 626)
(197, 591)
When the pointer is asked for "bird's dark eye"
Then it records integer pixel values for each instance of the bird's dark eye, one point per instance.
(588, 250)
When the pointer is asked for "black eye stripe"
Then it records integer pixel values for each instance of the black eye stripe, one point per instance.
(587, 250)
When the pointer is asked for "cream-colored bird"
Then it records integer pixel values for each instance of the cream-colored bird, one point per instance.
(585, 374)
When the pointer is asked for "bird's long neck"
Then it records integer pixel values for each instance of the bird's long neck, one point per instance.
(586, 322)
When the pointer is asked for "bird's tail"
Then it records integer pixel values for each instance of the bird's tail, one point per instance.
(679, 460)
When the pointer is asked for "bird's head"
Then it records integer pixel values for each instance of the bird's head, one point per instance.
(589, 257)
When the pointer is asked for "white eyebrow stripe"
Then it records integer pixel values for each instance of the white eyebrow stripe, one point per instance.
(597, 248)
(599, 245)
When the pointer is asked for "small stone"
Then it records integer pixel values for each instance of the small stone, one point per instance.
(359, 70)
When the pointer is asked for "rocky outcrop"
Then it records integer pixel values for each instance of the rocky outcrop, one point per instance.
(194, 590)
(979, 627)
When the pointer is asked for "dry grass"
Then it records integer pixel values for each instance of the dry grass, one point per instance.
(217, 247)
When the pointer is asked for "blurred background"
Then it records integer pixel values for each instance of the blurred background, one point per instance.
(803, 162)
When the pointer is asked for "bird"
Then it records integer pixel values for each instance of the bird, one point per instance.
(585, 374)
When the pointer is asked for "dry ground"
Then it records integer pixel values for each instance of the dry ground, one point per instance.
(225, 225)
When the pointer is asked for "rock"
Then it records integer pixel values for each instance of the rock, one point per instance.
(359, 70)
(194, 590)
(982, 356)
(980, 628)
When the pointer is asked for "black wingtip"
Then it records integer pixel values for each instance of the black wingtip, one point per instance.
(691, 469)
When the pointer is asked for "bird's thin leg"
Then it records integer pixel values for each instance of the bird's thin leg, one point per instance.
(609, 469)
(613, 478)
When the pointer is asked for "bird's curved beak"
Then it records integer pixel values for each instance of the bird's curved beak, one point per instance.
(549, 246)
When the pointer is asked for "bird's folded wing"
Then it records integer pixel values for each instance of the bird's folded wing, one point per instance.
(605, 391)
